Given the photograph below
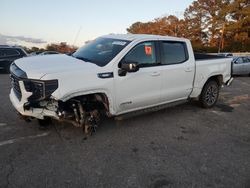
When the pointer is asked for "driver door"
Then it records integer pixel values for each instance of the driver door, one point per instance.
(137, 90)
(238, 66)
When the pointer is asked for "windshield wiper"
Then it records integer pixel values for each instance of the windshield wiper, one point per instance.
(83, 59)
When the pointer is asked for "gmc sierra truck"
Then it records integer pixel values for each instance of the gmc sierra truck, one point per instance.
(115, 75)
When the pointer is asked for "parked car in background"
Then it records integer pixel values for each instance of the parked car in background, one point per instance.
(70, 53)
(49, 53)
(8, 54)
(225, 54)
(241, 65)
(34, 53)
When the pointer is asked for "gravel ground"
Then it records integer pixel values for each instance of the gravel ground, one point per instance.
(182, 146)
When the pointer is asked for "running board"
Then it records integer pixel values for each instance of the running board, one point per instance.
(149, 110)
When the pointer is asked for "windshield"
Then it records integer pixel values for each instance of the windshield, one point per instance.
(100, 51)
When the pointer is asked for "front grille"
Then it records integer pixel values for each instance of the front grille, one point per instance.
(16, 87)
(29, 86)
(40, 89)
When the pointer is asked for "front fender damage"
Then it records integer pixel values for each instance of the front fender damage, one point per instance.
(81, 111)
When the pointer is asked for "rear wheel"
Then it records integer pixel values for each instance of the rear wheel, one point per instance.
(209, 94)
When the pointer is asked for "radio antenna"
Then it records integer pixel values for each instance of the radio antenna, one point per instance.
(77, 34)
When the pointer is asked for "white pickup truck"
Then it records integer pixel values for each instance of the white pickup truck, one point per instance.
(114, 75)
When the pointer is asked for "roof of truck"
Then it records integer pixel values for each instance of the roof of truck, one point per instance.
(131, 37)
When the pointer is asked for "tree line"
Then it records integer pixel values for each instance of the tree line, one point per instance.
(61, 47)
(211, 25)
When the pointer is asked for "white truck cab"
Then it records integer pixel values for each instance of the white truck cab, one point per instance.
(115, 74)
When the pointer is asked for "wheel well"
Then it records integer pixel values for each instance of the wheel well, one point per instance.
(84, 111)
(98, 97)
(217, 78)
(102, 97)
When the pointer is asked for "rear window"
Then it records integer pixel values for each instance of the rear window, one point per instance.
(173, 52)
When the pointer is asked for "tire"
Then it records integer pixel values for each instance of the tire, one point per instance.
(209, 94)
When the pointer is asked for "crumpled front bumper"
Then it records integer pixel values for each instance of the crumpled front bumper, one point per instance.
(38, 113)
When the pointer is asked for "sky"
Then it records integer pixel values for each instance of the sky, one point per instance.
(39, 22)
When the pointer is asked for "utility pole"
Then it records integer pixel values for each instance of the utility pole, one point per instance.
(221, 44)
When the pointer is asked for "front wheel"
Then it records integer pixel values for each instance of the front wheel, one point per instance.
(209, 94)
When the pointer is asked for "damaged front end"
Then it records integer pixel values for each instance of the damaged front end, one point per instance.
(33, 99)
(83, 111)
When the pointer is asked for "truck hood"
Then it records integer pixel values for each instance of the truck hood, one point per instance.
(38, 66)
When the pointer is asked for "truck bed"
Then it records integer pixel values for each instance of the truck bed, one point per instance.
(203, 56)
(208, 66)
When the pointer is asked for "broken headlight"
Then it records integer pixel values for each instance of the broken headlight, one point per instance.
(40, 89)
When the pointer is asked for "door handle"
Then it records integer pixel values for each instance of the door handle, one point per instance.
(188, 69)
(155, 74)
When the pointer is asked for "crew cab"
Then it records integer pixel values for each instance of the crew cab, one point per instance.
(115, 75)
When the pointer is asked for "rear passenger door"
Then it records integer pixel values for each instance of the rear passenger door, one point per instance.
(177, 71)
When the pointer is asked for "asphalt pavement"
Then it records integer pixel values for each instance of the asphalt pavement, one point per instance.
(182, 146)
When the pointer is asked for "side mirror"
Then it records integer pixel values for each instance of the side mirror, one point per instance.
(129, 67)
(126, 67)
(236, 62)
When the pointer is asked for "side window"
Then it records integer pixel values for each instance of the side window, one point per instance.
(173, 52)
(246, 60)
(11, 52)
(143, 54)
(239, 60)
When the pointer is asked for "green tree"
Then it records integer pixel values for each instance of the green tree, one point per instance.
(238, 25)
(195, 26)
(169, 25)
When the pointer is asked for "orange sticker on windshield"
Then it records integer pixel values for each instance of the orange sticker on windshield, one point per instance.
(148, 50)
